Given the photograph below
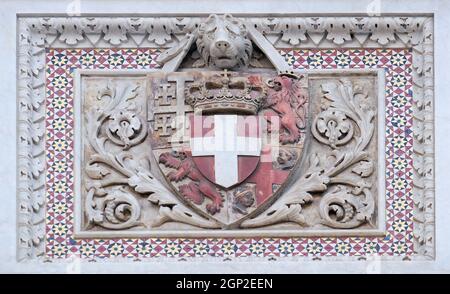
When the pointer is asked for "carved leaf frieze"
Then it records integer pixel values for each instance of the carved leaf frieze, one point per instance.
(293, 31)
(35, 34)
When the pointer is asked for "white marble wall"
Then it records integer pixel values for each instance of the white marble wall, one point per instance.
(8, 12)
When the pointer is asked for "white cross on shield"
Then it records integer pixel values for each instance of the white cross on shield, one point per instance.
(225, 148)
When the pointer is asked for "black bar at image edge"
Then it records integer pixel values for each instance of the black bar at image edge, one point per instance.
(208, 283)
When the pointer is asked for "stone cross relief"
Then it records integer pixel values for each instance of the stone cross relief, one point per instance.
(317, 168)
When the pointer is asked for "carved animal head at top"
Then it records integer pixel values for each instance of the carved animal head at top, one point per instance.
(223, 42)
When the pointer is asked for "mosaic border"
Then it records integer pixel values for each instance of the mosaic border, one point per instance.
(62, 67)
(35, 34)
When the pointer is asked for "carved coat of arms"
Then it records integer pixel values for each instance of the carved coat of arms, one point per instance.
(219, 139)
(240, 136)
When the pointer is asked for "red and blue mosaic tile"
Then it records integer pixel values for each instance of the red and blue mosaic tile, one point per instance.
(60, 64)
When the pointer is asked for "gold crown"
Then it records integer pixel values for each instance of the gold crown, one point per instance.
(225, 94)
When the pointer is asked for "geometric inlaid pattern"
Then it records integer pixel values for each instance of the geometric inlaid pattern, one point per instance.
(60, 64)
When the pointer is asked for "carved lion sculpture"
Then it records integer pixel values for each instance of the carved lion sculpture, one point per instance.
(287, 101)
(199, 187)
(222, 42)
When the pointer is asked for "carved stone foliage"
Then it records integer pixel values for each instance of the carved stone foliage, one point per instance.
(332, 127)
(164, 31)
(118, 176)
(335, 188)
(340, 171)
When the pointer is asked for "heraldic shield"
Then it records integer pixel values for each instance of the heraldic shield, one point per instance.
(227, 142)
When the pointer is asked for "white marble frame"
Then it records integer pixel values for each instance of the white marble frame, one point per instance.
(37, 33)
(379, 231)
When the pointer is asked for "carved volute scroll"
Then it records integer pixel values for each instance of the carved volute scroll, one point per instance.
(330, 149)
(118, 175)
(335, 187)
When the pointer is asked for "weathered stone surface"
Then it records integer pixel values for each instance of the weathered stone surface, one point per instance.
(141, 172)
(344, 195)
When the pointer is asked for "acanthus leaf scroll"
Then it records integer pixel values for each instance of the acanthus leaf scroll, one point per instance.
(338, 180)
(117, 179)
